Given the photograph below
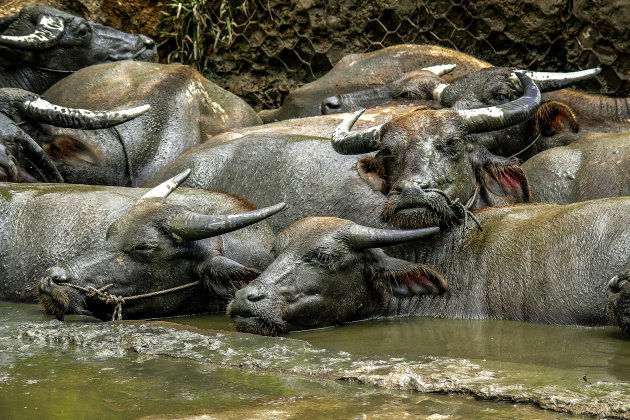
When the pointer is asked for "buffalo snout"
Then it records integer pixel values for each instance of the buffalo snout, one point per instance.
(52, 292)
(411, 192)
(254, 311)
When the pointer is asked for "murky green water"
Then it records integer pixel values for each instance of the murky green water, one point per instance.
(84, 369)
(602, 354)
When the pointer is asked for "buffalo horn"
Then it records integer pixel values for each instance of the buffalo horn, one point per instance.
(496, 117)
(36, 155)
(437, 92)
(549, 81)
(440, 70)
(346, 142)
(166, 187)
(6, 21)
(46, 34)
(191, 226)
(361, 237)
(43, 111)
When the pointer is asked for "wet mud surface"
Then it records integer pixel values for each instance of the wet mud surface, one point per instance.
(131, 364)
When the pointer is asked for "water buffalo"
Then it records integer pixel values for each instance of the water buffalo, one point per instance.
(22, 159)
(596, 165)
(322, 261)
(522, 266)
(308, 174)
(41, 45)
(132, 239)
(320, 125)
(561, 119)
(554, 124)
(356, 72)
(186, 110)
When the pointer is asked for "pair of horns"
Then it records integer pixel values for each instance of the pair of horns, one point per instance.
(479, 120)
(191, 226)
(33, 107)
(46, 34)
(546, 81)
(362, 237)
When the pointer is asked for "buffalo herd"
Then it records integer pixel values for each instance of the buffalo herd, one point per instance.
(418, 181)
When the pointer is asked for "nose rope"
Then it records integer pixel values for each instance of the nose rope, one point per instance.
(119, 301)
(463, 210)
(528, 146)
(53, 70)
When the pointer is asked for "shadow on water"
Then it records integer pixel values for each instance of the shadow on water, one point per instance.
(86, 369)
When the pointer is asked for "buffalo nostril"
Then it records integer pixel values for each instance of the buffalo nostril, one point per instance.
(147, 41)
(57, 275)
(418, 182)
(331, 103)
(255, 297)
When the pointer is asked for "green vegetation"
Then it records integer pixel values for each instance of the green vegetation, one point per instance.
(198, 27)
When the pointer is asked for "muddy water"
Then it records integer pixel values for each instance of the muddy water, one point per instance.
(85, 369)
(602, 354)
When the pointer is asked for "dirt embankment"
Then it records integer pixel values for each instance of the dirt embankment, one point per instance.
(275, 46)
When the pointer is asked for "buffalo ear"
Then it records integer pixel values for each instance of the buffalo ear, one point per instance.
(72, 151)
(399, 278)
(225, 276)
(554, 118)
(373, 174)
(504, 183)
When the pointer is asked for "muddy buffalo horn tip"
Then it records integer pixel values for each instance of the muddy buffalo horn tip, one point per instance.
(192, 226)
(166, 187)
(441, 69)
(550, 81)
(38, 109)
(361, 237)
(348, 142)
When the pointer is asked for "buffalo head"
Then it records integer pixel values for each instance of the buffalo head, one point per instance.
(428, 166)
(22, 158)
(416, 85)
(499, 85)
(155, 245)
(55, 40)
(328, 271)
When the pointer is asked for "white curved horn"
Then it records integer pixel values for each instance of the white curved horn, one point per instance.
(440, 70)
(165, 188)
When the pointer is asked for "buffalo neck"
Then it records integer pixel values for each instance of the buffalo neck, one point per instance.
(29, 78)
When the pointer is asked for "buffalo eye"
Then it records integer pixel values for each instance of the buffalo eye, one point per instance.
(500, 97)
(323, 259)
(450, 145)
(83, 32)
(143, 249)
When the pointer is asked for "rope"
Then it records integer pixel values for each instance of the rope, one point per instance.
(110, 299)
(523, 150)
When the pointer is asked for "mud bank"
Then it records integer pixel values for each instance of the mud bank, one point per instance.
(286, 356)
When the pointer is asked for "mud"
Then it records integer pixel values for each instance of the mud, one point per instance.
(293, 357)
